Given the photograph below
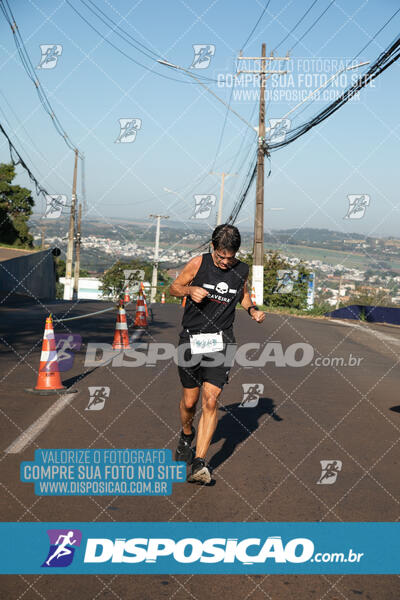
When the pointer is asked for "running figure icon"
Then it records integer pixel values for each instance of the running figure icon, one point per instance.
(62, 549)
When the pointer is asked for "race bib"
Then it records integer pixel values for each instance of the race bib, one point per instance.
(201, 343)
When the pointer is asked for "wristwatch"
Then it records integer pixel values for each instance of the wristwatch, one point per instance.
(250, 307)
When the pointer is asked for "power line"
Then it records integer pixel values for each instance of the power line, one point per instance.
(295, 26)
(30, 70)
(387, 58)
(147, 50)
(19, 141)
(255, 26)
(136, 62)
(354, 58)
(312, 25)
(22, 126)
(377, 33)
(20, 161)
(223, 129)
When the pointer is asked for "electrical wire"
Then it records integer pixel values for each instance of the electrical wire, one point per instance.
(147, 51)
(306, 106)
(30, 70)
(312, 25)
(255, 26)
(384, 61)
(295, 26)
(40, 190)
(128, 56)
(19, 142)
(222, 130)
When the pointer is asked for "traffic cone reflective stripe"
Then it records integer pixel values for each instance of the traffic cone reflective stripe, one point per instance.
(141, 314)
(121, 337)
(144, 298)
(49, 375)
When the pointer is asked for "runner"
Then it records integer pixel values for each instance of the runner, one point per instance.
(213, 283)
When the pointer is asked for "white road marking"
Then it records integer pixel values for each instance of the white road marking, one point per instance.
(34, 430)
(377, 334)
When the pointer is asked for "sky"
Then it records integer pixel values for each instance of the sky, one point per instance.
(179, 140)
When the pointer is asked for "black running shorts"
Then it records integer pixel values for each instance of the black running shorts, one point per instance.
(214, 367)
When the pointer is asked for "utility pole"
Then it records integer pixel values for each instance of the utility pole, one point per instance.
(77, 253)
(155, 260)
(258, 258)
(339, 291)
(221, 195)
(43, 228)
(70, 247)
(258, 252)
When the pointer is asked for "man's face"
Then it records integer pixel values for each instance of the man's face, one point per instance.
(224, 259)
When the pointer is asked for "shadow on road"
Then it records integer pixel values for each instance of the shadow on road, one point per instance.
(237, 425)
(72, 380)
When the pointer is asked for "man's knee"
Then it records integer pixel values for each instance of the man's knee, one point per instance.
(210, 399)
(190, 400)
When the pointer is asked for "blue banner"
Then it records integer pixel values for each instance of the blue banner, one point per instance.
(212, 548)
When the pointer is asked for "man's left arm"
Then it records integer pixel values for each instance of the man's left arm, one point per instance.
(256, 315)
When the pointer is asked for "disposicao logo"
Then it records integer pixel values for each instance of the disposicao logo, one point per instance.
(62, 547)
(190, 550)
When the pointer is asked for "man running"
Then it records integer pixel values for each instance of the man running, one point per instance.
(213, 283)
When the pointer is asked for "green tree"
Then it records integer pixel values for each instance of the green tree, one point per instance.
(16, 205)
(61, 267)
(274, 262)
(369, 297)
(113, 280)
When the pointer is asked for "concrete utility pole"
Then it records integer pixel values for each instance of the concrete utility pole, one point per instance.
(43, 228)
(70, 248)
(221, 195)
(155, 263)
(339, 291)
(77, 253)
(258, 253)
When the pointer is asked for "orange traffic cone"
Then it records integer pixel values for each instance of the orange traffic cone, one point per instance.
(140, 316)
(144, 299)
(127, 298)
(49, 380)
(183, 302)
(163, 298)
(121, 338)
(253, 295)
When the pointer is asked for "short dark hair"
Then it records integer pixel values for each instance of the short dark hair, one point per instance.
(226, 237)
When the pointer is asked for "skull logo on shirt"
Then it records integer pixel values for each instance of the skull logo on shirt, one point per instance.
(222, 287)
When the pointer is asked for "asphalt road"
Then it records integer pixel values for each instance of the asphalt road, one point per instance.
(266, 458)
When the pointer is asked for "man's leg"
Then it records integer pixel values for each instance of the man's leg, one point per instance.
(187, 408)
(208, 419)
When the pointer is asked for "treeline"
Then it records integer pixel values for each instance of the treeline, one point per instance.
(16, 205)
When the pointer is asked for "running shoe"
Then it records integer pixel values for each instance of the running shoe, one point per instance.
(184, 451)
(201, 472)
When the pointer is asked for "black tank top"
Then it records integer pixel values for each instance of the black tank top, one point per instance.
(225, 287)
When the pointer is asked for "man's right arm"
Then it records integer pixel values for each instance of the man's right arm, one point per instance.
(181, 286)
